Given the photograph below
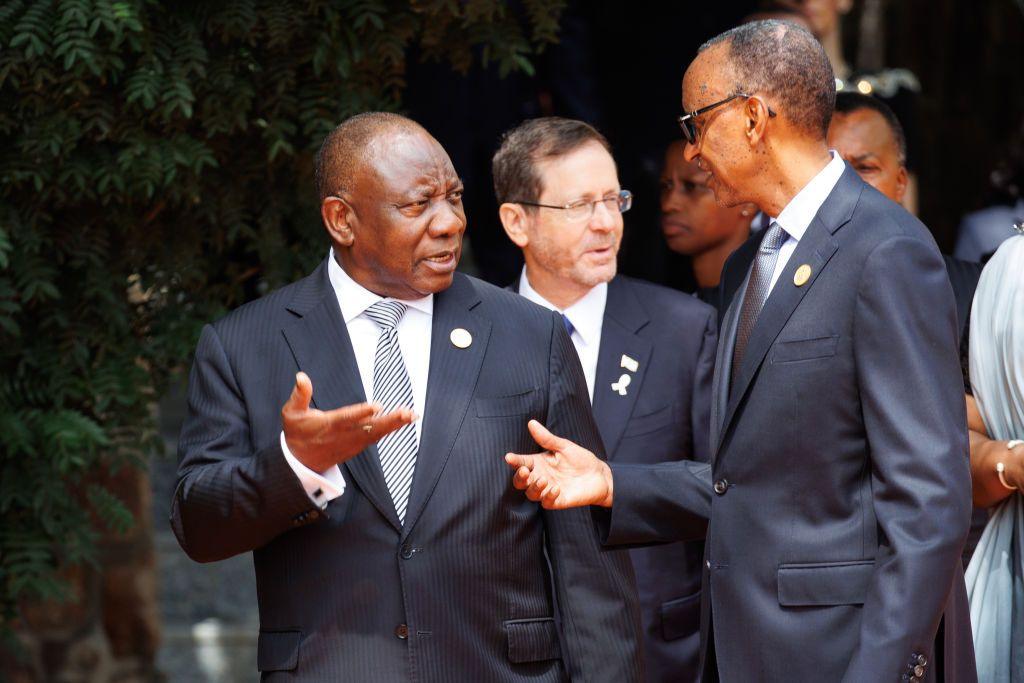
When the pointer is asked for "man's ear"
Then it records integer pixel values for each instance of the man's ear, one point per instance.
(515, 221)
(755, 119)
(337, 215)
(901, 184)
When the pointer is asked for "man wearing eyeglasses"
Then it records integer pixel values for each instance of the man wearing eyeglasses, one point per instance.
(647, 351)
(839, 493)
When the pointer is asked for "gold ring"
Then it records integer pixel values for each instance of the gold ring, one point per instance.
(367, 428)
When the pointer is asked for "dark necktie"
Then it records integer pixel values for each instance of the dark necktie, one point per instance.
(392, 389)
(568, 325)
(758, 288)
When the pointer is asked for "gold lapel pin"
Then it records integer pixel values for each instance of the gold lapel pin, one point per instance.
(629, 363)
(461, 338)
(802, 275)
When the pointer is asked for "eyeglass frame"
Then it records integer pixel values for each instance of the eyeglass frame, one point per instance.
(686, 120)
(623, 197)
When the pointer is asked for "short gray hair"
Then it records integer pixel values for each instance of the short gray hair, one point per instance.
(344, 149)
(785, 61)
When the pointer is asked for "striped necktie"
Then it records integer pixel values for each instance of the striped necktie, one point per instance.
(392, 389)
(758, 288)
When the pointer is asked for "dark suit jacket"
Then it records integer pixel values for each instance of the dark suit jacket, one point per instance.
(462, 591)
(841, 491)
(663, 416)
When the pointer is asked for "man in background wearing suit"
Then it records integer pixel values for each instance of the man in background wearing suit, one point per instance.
(389, 546)
(839, 493)
(647, 351)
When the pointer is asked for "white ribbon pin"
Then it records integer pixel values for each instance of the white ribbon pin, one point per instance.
(621, 385)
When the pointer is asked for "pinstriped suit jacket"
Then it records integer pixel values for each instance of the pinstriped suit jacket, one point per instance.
(462, 592)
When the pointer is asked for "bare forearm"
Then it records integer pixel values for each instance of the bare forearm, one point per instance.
(985, 454)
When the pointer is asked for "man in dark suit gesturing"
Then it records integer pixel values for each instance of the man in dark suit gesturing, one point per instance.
(389, 547)
(647, 351)
(839, 494)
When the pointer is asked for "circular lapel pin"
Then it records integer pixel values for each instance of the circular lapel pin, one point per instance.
(802, 275)
(461, 338)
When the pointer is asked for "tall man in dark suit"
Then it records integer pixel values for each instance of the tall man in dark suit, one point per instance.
(647, 351)
(839, 491)
(389, 547)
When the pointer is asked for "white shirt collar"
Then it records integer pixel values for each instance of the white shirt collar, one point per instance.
(796, 217)
(586, 315)
(354, 298)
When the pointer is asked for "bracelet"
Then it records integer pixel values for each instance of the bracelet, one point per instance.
(1000, 467)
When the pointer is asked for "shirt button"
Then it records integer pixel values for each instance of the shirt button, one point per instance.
(721, 486)
(707, 563)
(407, 551)
(401, 631)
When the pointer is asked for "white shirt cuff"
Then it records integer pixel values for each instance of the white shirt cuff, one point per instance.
(321, 488)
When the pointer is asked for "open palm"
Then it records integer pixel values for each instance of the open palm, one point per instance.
(566, 475)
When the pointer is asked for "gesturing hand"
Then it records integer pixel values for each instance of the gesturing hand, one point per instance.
(566, 476)
(321, 439)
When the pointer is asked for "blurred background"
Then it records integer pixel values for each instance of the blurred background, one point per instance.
(156, 171)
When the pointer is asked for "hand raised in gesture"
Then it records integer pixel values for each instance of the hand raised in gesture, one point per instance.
(565, 476)
(320, 439)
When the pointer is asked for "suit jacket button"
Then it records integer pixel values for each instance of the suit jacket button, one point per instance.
(407, 551)
(401, 631)
(918, 671)
(721, 486)
(922, 660)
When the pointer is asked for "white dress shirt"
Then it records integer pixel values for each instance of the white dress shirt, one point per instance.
(587, 318)
(414, 339)
(796, 217)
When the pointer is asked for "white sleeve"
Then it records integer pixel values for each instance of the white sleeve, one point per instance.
(321, 488)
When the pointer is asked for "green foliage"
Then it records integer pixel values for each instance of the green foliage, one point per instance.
(155, 171)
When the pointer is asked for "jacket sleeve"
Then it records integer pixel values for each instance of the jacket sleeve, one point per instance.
(229, 499)
(905, 348)
(594, 586)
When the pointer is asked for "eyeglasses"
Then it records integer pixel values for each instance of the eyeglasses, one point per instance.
(583, 209)
(686, 120)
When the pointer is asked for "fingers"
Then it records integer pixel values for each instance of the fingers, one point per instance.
(389, 422)
(517, 461)
(546, 439)
(350, 417)
(301, 395)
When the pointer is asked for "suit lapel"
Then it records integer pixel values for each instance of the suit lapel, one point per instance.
(723, 366)
(815, 249)
(624, 317)
(450, 386)
(322, 348)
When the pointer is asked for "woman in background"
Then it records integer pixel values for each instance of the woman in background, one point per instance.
(694, 225)
(995, 576)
